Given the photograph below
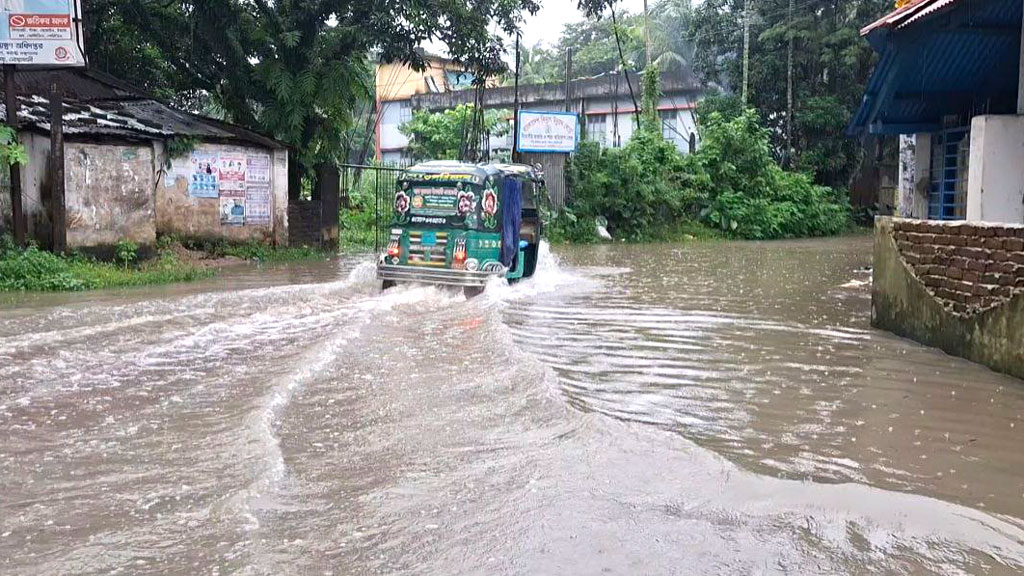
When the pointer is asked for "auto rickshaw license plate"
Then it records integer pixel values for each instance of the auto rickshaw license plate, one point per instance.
(429, 239)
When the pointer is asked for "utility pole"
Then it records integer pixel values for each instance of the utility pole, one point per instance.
(568, 77)
(647, 36)
(11, 107)
(787, 157)
(746, 49)
(58, 208)
(515, 108)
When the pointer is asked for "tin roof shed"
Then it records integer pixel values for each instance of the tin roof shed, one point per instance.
(99, 106)
(941, 58)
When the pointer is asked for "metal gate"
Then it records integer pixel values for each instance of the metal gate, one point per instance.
(371, 188)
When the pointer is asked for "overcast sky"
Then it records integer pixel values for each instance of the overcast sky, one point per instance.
(546, 26)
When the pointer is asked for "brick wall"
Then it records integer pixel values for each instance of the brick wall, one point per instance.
(303, 223)
(968, 267)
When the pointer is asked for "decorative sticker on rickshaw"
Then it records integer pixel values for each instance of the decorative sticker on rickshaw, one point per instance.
(435, 201)
(489, 207)
(467, 207)
(401, 215)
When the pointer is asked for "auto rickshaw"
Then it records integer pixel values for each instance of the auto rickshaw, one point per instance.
(461, 224)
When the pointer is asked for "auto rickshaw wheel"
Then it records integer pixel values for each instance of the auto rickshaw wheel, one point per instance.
(387, 284)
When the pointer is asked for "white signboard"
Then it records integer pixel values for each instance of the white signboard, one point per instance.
(547, 131)
(46, 32)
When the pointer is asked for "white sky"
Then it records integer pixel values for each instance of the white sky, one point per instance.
(546, 26)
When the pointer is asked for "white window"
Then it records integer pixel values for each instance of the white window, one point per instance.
(669, 130)
(597, 128)
(404, 111)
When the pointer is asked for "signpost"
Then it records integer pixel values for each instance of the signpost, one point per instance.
(556, 132)
(39, 34)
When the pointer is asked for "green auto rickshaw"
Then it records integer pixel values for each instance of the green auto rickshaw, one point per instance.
(462, 224)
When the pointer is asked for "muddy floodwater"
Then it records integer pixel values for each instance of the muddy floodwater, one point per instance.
(719, 408)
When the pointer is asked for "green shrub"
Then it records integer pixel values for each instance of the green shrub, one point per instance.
(749, 196)
(126, 251)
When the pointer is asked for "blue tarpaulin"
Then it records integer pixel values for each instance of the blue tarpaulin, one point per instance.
(511, 218)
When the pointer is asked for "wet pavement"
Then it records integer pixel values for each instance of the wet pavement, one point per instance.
(719, 408)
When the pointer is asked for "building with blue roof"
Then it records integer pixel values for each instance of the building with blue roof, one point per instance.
(948, 83)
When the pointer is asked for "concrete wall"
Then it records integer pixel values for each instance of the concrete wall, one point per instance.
(178, 212)
(914, 176)
(995, 186)
(109, 194)
(953, 285)
(125, 191)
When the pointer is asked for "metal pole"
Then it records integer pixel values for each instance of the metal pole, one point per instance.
(11, 105)
(515, 108)
(58, 209)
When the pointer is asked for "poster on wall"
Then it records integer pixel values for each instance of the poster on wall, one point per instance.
(547, 131)
(232, 171)
(257, 205)
(204, 181)
(257, 169)
(45, 32)
(232, 207)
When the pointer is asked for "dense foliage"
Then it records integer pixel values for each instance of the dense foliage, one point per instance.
(443, 135)
(830, 65)
(732, 184)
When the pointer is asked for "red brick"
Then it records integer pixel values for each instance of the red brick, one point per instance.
(932, 281)
(911, 258)
(954, 273)
(1013, 244)
(957, 262)
(968, 229)
(999, 255)
(971, 277)
(1006, 280)
(975, 241)
(1000, 267)
(986, 231)
(1020, 232)
(982, 290)
(994, 243)
(957, 240)
(1018, 271)
(1004, 231)
(1003, 291)
(1016, 257)
(991, 279)
(972, 253)
(903, 246)
(947, 294)
(976, 265)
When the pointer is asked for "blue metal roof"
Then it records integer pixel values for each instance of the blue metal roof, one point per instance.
(960, 59)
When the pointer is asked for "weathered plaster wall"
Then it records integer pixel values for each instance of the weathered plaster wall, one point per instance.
(995, 185)
(902, 303)
(109, 194)
(914, 168)
(177, 212)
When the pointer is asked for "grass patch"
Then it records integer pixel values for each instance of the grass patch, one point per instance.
(32, 269)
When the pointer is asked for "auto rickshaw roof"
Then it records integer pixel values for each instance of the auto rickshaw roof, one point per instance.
(481, 171)
(451, 167)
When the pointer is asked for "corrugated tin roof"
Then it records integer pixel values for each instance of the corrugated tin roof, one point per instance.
(98, 105)
(903, 14)
(960, 64)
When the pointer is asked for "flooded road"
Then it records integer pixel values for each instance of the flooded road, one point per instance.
(701, 409)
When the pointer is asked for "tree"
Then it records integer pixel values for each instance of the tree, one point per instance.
(292, 68)
(829, 68)
(442, 135)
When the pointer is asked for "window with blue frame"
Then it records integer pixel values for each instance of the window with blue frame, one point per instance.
(948, 183)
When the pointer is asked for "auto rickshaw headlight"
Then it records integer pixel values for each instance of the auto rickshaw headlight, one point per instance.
(472, 264)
